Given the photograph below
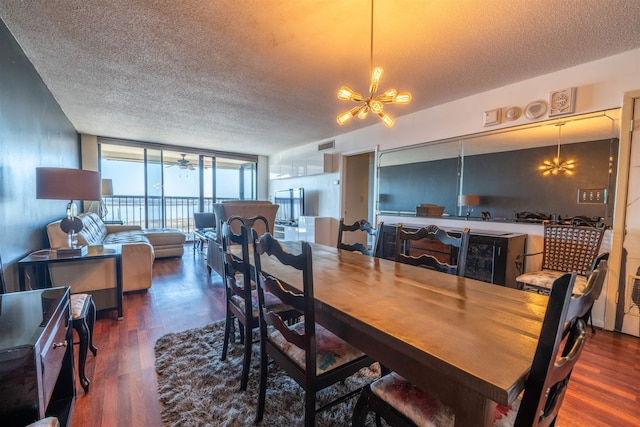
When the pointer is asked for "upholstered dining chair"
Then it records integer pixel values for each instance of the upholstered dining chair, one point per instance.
(307, 352)
(203, 222)
(241, 298)
(451, 250)
(562, 338)
(362, 227)
(566, 249)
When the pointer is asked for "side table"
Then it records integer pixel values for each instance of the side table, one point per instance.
(36, 267)
(36, 357)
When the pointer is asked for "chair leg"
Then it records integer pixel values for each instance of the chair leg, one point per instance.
(590, 320)
(91, 320)
(80, 325)
(263, 381)
(310, 408)
(227, 332)
(360, 410)
(247, 356)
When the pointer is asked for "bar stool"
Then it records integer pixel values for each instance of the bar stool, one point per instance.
(83, 315)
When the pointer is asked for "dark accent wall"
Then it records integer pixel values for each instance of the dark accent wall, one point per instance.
(34, 132)
(507, 182)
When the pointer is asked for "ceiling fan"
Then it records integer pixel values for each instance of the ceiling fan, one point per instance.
(183, 163)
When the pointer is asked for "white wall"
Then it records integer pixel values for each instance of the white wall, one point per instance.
(601, 85)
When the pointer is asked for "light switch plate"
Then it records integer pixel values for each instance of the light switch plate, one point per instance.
(592, 196)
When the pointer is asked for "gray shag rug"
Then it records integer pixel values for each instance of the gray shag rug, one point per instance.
(196, 388)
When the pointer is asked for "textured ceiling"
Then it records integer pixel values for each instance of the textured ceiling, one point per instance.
(258, 76)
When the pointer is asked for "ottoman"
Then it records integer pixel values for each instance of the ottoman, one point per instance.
(166, 242)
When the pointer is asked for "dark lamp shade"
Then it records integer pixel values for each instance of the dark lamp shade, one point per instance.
(67, 184)
(469, 200)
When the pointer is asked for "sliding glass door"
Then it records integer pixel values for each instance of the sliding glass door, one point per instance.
(158, 187)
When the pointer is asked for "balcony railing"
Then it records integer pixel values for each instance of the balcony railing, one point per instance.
(172, 212)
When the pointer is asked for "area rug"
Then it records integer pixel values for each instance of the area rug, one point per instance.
(196, 388)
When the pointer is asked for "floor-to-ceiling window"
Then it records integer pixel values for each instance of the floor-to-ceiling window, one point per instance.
(157, 186)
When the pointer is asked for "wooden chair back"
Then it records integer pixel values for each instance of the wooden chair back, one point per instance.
(570, 248)
(302, 302)
(236, 268)
(457, 249)
(559, 348)
(362, 226)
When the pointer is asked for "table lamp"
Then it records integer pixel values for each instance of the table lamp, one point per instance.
(100, 207)
(468, 200)
(68, 184)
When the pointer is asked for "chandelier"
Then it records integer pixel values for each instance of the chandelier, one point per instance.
(549, 167)
(372, 103)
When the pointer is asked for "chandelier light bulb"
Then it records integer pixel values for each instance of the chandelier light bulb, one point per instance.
(386, 119)
(346, 116)
(347, 94)
(376, 75)
(402, 98)
(364, 111)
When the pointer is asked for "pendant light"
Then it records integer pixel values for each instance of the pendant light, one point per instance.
(549, 167)
(375, 105)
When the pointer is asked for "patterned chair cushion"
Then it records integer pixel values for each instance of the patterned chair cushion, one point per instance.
(426, 410)
(77, 303)
(505, 416)
(331, 351)
(45, 422)
(270, 300)
(542, 280)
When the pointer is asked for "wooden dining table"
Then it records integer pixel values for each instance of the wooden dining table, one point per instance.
(469, 342)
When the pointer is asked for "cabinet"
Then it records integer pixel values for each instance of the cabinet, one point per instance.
(36, 357)
(491, 257)
(313, 229)
(285, 232)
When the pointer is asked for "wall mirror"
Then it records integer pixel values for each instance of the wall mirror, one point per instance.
(502, 167)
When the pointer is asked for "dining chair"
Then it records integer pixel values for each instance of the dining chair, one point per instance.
(307, 352)
(359, 227)
(434, 248)
(241, 298)
(566, 249)
(560, 344)
(203, 222)
(588, 319)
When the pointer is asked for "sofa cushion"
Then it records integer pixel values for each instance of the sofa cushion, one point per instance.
(126, 237)
(159, 237)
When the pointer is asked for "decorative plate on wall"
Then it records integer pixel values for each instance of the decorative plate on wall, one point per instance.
(535, 109)
(513, 113)
(563, 102)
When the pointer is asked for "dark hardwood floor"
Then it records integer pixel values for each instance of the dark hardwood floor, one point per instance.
(604, 389)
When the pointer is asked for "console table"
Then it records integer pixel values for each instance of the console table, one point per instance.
(35, 266)
(490, 258)
(36, 357)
